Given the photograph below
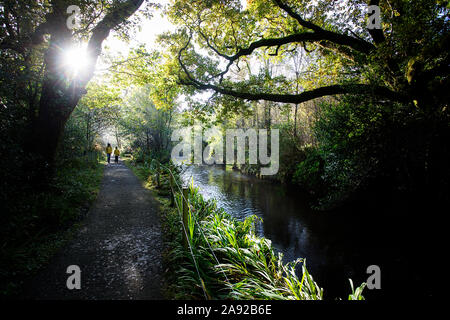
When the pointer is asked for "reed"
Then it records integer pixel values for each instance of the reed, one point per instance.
(232, 262)
(225, 259)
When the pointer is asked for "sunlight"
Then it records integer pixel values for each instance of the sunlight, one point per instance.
(75, 60)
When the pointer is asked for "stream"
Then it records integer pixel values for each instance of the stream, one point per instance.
(328, 244)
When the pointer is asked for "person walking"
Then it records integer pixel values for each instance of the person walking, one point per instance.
(116, 155)
(108, 153)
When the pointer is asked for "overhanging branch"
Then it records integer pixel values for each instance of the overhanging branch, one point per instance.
(340, 43)
(302, 97)
(102, 31)
(289, 98)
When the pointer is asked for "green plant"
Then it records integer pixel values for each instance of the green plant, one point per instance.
(225, 259)
(356, 294)
(309, 172)
(232, 262)
(37, 223)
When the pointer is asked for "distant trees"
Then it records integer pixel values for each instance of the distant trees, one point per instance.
(147, 128)
(97, 111)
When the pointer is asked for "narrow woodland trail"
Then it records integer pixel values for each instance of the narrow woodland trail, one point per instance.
(118, 248)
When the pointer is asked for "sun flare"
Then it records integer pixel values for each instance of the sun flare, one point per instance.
(75, 59)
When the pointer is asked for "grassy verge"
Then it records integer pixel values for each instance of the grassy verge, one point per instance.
(39, 223)
(225, 259)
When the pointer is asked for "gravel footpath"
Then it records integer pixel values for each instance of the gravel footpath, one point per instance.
(118, 247)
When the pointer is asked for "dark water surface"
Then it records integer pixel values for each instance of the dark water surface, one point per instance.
(333, 251)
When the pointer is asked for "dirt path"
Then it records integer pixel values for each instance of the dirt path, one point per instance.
(118, 248)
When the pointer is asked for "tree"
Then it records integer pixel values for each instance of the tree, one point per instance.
(386, 87)
(405, 61)
(35, 36)
(147, 127)
(98, 110)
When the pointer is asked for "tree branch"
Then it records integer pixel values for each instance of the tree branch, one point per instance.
(304, 96)
(342, 39)
(290, 98)
(293, 38)
(101, 31)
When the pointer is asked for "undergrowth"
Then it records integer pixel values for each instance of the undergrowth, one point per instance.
(35, 224)
(224, 258)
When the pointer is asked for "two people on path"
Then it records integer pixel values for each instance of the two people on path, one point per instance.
(109, 151)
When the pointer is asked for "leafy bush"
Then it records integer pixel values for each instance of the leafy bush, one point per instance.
(291, 152)
(309, 172)
(33, 227)
(366, 144)
(35, 216)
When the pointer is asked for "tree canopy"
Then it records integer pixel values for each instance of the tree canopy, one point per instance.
(404, 61)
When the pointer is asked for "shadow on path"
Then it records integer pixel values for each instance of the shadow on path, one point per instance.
(118, 247)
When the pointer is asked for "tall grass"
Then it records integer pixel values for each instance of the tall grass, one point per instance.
(224, 259)
(233, 262)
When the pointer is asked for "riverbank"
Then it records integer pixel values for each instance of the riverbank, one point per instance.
(340, 244)
(226, 258)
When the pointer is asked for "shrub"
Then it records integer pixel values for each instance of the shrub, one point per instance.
(365, 144)
(309, 172)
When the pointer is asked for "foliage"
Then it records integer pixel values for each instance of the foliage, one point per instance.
(386, 62)
(308, 172)
(363, 145)
(268, 65)
(151, 69)
(35, 225)
(356, 294)
(98, 111)
(35, 218)
(48, 91)
(148, 128)
(292, 151)
(391, 130)
(232, 261)
(253, 269)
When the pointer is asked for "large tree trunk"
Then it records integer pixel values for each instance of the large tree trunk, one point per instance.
(47, 132)
(55, 104)
(60, 95)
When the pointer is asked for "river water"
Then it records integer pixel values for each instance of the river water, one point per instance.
(332, 256)
(402, 238)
